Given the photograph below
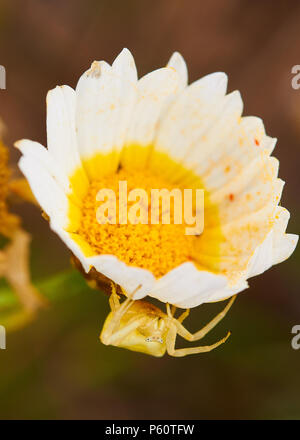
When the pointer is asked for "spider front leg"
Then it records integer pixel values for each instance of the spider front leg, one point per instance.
(180, 352)
(114, 323)
(118, 311)
(115, 338)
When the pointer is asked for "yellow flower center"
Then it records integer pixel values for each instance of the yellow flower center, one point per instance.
(156, 247)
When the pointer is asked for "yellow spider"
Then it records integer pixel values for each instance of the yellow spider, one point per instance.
(140, 326)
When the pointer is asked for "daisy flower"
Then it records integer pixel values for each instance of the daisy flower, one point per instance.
(160, 132)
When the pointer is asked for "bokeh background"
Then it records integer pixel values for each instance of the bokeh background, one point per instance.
(56, 366)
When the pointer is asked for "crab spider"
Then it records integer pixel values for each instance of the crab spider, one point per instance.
(140, 326)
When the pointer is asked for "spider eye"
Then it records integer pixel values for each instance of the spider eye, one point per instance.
(154, 338)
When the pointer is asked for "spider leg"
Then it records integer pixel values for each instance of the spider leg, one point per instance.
(114, 302)
(183, 332)
(128, 301)
(118, 313)
(171, 340)
(171, 313)
(183, 316)
(117, 316)
(173, 310)
(130, 295)
(114, 297)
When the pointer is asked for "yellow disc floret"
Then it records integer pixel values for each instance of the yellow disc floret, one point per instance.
(157, 247)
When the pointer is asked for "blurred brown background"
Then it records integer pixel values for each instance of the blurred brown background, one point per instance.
(56, 367)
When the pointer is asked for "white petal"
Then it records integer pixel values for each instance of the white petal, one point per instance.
(90, 89)
(228, 291)
(177, 62)
(186, 283)
(232, 150)
(277, 247)
(72, 241)
(206, 152)
(262, 258)
(191, 114)
(124, 64)
(255, 129)
(231, 250)
(254, 187)
(39, 153)
(155, 92)
(105, 99)
(126, 85)
(61, 130)
(46, 190)
(283, 244)
(284, 248)
(132, 279)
